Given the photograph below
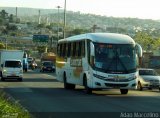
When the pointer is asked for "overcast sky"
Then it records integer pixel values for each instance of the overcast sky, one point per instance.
(145, 9)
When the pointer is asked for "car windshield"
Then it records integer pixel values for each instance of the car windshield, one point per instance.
(47, 64)
(148, 72)
(13, 64)
(115, 58)
(30, 59)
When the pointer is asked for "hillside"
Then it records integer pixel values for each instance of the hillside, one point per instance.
(80, 20)
(26, 11)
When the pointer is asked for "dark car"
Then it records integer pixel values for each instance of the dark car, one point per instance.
(47, 66)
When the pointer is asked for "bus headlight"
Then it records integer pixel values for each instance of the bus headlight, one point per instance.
(132, 77)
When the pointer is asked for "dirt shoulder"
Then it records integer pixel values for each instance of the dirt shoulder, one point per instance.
(10, 108)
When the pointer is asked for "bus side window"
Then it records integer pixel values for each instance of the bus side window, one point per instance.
(88, 50)
(69, 50)
(64, 49)
(74, 49)
(79, 49)
(60, 54)
(83, 49)
(58, 50)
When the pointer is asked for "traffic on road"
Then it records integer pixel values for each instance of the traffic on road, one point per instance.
(88, 76)
(41, 94)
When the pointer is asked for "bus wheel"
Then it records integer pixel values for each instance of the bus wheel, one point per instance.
(67, 85)
(139, 86)
(124, 91)
(87, 89)
(2, 78)
(72, 86)
(26, 70)
(150, 88)
(0, 74)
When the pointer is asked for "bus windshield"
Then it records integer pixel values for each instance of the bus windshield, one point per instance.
(115, 58)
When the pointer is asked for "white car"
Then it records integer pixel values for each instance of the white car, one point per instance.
(148, 78)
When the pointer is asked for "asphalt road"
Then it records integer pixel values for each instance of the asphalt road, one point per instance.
(43, 96)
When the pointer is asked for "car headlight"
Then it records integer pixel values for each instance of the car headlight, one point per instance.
(4, 70)
(145, 80)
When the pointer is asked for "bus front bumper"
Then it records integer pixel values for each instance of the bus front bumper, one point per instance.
(98, 83)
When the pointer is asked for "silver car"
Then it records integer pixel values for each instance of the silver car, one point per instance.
(148, 78)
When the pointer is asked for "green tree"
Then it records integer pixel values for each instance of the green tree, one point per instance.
(5, 31)
(1, 21)
(29, 23)
(11, 19)
(3, 14)
(156, 44)
(41, 49)
(13, 33)
(78, 31)
(28, 52)
(11, 27)
(41, 26)
(2, 46)
(145, 40)
(49, 27)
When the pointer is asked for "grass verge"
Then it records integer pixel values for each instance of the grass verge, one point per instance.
(10, 108)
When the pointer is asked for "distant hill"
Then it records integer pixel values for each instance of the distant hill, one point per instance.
(85, 21)
(27, 11)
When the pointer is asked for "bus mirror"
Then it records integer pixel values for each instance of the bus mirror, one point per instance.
(92, 49)
(139, 50)
(92, 61)
(92, 54)
(139, 53)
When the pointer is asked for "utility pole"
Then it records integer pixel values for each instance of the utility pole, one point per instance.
(64, 29)
(58, 23)
(39, 18)
(6, 42)
(16, 14)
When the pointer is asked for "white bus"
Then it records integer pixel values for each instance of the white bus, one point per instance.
(98, 61)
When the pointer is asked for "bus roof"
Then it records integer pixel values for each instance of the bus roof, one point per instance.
(101, 38)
